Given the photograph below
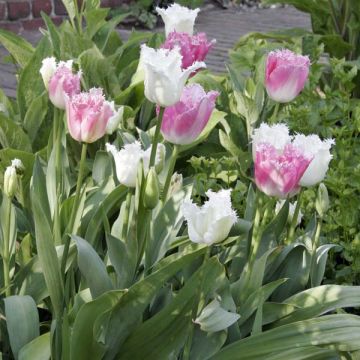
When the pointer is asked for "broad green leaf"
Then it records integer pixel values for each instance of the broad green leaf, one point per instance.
(17, 46)
(22, 321)
(339, 332)
(38, 349)
(70, 8)
(97, 279)
(83, 344)
(95, 19)
(305, 353)
(13, 136)
(205, 344)
(53, 34)
(214, 318)
(102, 167)
(127, 313)
(44, 239)
(162, 336)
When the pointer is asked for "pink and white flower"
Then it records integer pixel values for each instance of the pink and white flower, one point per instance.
(88, 114)
(285, 75)
(212, 222)
(60, 81)
(184, 121)
(279, 165)
(192, 48)
(178, 18)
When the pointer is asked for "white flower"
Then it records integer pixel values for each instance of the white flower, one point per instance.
(17, 164)
(114, 121)
(178, 18)
(292, 207)
(276, 135)
(212, 222)
(11, 177)
(128, 159)
(320, 152)
(164, 77)
(48, 69)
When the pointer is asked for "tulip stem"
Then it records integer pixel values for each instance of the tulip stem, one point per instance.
(156, 137)
(315, 246)
(275, 113)
(255, 239)
(172, 163)
(125, 225)
(75, 206)
(6, 253)
(291, 233)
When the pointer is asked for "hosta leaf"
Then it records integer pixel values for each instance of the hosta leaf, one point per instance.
(214, 318)
(22, 321)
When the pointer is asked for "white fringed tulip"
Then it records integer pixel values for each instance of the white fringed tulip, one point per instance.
(320, 151)
(11, 177)
(47, 70)
(115, 119)
(164, 77)
(128, 159)
(212, 222)
(178, 18)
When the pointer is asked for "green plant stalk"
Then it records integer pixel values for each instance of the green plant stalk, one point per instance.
(256, 234)
(333, 17)
(172, 163)
(156, 137)
(315, 245)
(75, 206)
(125, 225)
(197, 305)
(6, 252)
(275, 113)
(291, 233)
(58, 125)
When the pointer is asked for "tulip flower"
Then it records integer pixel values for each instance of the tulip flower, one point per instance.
(115, 119)
(88, 114)
(212, 222)
(183, 122)
(278, 169)
(192, 48)
(127, 161)
(164, 77)
(178, 18)
(320, 151)
(11, 177)
(285, 75)
(60, 81)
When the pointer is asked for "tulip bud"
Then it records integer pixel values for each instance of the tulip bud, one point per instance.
(10, 181)
(115, 119)
(322, 200)
(152, 191)
(175, 184)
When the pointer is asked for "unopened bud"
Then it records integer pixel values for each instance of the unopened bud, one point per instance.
(152, 191)
(175, 184)
(10, 181)
(322, 200)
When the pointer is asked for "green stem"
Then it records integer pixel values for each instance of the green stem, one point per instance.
(291, 233)
(6, 253)
(255, 240)
(58, 120)
(126, 215)
(156, 137)
(187, 348)
(172, 163)
(275, 113)
(75, 206)
(315, 246)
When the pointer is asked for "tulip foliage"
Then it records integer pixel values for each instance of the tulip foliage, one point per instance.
(111, 249)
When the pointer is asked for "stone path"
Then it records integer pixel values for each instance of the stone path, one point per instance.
(226, 26)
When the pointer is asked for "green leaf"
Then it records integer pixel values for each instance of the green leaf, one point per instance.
(127, 313)
(162, 336)
(340, 332)
(22, 321)
(38, 349)
(97, 279)
(54, 35)
(13, 136)
(102, 167)
(44, 239)
(214, 318)
(70, 8)
(83, 344)
(18, 47)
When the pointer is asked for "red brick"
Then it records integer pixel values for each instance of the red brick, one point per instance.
(2, 11)
(60, 8)
(41, 5)
(33, 24)
(18, 10)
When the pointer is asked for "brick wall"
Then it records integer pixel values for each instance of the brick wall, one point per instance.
(20, 15)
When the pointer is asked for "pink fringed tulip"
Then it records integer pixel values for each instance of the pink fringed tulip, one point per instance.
(278, 170)
(87, 115)
(286, 74)
(60, 81)
(184, 121)
(192, 48)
